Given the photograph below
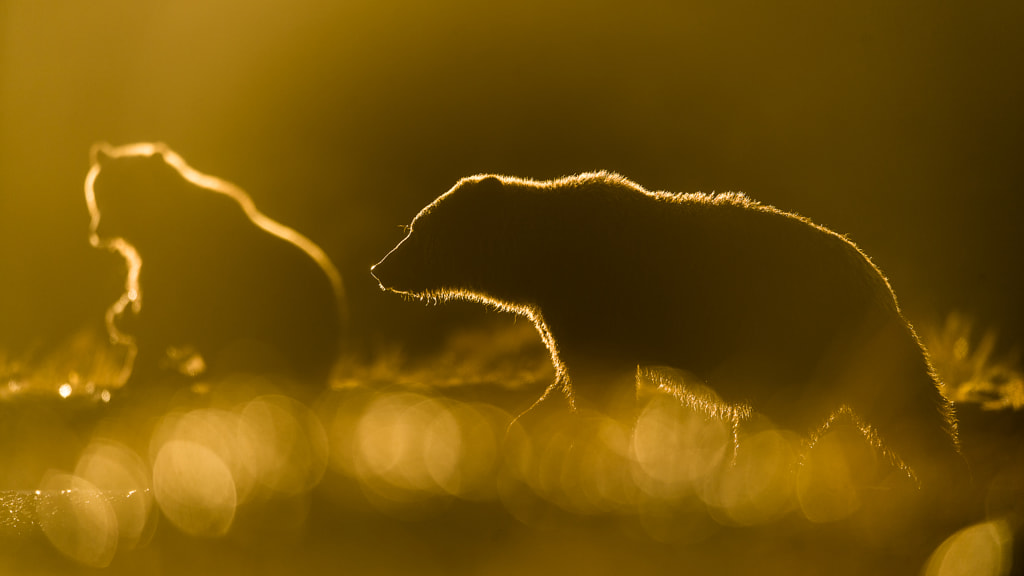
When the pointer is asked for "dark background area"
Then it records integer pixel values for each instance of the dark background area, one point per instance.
(899, 124)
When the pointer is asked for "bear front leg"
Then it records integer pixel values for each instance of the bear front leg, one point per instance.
(560, 386)
(602, 386)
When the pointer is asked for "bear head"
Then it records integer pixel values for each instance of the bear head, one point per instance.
(135, 193)
(502, 240)
(459, 245)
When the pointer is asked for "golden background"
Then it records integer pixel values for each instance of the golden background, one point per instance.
(898, 124)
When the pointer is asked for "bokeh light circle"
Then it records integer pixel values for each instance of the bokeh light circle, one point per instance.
(194, 488)
(77, 519)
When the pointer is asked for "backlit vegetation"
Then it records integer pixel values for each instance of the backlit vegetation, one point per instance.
(221, 459)
(972, 371)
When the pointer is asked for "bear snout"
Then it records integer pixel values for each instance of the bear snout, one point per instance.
(389, 271)
(374, 271)
(405, 269)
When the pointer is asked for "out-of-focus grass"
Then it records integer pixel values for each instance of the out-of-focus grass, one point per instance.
(85, 365)
(512, 358)
(405, 451)
(972, 373)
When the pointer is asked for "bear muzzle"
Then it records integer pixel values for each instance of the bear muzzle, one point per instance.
(407, 269)
(390, 273)
(374, 271)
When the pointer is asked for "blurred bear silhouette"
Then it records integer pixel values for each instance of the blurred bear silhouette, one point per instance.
(769, 310)
(213, 285)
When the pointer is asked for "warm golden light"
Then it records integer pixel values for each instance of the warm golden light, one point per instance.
(758, 487)
(826, 487)
(194, 488)
(78, 519)
(167, 400)
(984, 549)
(677, 448)
(408, 442)
(675, 472)
(974, 372)
(282, 444)
(220, 431)
(125, 479)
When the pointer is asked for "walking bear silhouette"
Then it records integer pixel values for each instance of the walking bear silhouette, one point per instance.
(766, 308)
(210, 277)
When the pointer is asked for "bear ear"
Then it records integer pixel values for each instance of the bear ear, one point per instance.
(100, 152)
(489, 182)
(160, 150)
